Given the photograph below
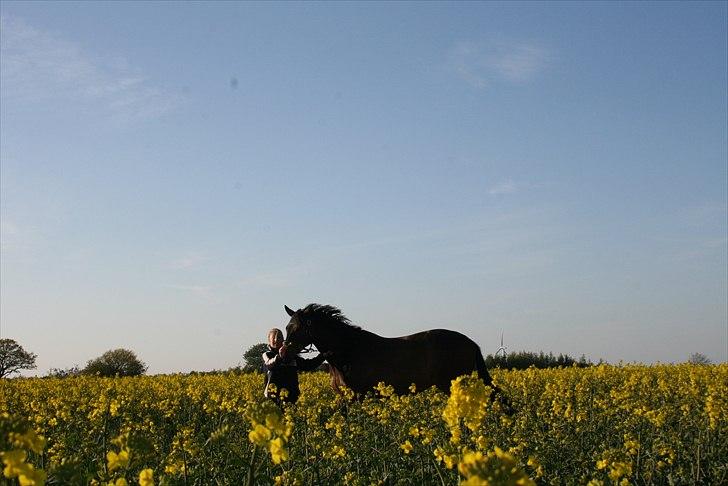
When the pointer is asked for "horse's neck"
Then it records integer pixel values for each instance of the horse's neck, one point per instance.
(341, 342)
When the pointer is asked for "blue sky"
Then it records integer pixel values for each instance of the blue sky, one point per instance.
(173, 174)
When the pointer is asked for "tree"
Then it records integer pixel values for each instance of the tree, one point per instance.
(699, 358)
(14, 358)
(121, 362)
(254, 357)
(521, 360)
(64, 372)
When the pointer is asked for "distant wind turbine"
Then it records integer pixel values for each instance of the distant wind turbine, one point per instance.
(502, 349)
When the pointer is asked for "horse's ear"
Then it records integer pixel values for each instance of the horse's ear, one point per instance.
(289, 311)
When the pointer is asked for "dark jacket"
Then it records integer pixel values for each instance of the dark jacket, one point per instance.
(283, 373)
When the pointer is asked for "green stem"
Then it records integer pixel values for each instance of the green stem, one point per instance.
(439, 474)
(251, 470)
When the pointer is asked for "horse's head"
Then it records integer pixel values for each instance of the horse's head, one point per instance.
(298, 331)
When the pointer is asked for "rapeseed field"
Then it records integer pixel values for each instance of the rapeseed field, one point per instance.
(604, 425)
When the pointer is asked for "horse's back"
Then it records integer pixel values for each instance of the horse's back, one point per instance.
(439, 336)
(437, 356)
(439, 341)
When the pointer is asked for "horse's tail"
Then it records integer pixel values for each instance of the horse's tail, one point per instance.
(337, 379)
(488, 380)
(482, 370)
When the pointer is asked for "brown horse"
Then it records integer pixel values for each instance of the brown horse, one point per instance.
(361, 359)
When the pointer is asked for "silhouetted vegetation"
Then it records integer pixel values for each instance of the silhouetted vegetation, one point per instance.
(522, 360)
(254, 357)
(14, 358)
(64, 372)
(117, 362)
(699, 358)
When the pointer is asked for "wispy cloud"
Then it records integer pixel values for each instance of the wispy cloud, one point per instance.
(268, 280)
(39, 66)
(189, 261)
(482, 63)
(278, 278)
(506, 187)
(509, 186)
(204, 291)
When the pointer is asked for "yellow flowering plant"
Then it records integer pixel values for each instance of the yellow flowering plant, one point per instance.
(602, 424)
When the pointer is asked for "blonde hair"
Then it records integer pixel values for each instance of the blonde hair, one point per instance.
(275, 332)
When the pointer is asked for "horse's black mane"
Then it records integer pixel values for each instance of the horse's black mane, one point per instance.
(328, 314)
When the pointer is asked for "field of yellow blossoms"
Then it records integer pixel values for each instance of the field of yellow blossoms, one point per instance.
(663, 424)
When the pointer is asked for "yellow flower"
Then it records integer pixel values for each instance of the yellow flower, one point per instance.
(447, 459)
(469, 460)
(146, 477)
(278, 451)
(32, 478)
(468, 397)
(475, 481)
(338, 452)
(117, 461)
(384, 389)
(619, 469)
(29, 439)
(498, 467)
(427, 436)
(15, 466)
(274, 422)
(260, 435)
(406, 447)
(632, 447)
(13, 462)
(175, 467)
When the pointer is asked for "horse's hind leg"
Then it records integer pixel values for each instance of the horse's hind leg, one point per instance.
(482, 370)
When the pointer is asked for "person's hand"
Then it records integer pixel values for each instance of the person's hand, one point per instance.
(282, 351)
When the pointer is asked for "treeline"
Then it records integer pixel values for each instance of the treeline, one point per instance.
(116, 362)
(522, 360)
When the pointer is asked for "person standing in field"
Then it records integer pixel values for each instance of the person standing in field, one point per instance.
(282, 369)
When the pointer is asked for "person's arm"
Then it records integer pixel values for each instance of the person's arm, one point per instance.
(310, 364)
(271, 362)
